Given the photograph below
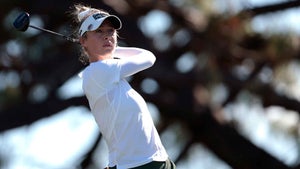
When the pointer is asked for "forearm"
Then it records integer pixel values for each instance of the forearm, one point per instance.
(126, 51)
(122, 52)
(134, 60)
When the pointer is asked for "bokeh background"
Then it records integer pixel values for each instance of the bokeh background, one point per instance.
(224, 92)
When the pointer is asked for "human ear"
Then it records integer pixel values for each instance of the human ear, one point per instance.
(82, 41)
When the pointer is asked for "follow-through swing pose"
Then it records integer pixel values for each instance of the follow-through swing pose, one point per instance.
(120, 112)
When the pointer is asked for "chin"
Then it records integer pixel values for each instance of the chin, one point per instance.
(107, 52)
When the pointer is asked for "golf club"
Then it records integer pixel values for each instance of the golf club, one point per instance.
(22, 22)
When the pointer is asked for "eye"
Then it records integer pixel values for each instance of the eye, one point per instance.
(99, 31)
(110, 31)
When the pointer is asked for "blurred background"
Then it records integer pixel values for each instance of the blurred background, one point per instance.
(224, 91)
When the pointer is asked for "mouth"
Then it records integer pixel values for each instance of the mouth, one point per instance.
(107, 44)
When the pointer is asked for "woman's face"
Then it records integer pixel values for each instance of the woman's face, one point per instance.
(100, 43)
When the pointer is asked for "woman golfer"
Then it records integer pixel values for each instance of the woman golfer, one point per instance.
(120, 112)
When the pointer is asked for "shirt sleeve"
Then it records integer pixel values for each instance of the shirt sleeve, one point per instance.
(136, 63)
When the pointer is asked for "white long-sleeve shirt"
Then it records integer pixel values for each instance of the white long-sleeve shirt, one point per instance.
(120, 112)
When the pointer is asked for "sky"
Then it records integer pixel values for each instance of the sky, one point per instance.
(55, 142)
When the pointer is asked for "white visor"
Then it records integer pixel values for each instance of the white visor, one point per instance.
(93, 22)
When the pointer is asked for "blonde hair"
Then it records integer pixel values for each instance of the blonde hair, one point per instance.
(79, 13)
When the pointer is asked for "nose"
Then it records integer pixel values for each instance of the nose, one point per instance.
(107, 36)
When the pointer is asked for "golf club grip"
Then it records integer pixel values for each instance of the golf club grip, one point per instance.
(55, 33)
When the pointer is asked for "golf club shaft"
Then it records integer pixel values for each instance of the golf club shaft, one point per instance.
(54, 33)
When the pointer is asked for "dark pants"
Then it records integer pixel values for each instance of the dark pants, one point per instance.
(154, 165)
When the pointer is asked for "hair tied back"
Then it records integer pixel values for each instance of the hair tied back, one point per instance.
(83, 14)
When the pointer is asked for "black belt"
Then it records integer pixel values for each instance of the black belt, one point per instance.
(153, 163)
(114, 167)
